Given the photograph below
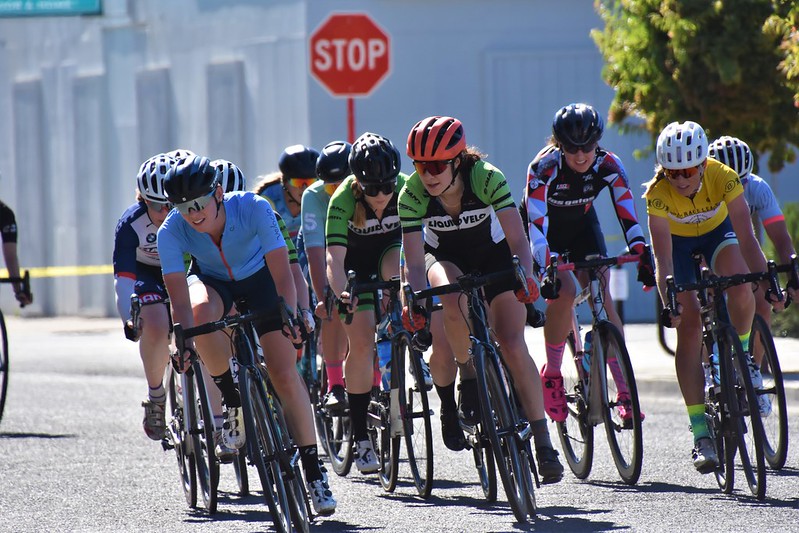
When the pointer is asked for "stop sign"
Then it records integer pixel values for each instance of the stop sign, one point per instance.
(350, 54)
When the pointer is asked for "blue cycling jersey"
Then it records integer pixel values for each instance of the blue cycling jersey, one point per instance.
(251, 231)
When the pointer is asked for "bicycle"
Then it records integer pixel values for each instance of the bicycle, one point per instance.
(731, 405)
(190, 431)
(4, 360)
(268, 446)
(501, 431)
(590, 395)
(403, 411)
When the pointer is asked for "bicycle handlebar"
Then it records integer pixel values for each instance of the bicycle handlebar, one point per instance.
(598, 262)
(467, 282)
(25, 280)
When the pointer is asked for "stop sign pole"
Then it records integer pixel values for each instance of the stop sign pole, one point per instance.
(350, 55)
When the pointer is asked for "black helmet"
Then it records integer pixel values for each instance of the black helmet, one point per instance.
(190, 179)
(374, 159)
(298, 161)
(333, 164)
(577, 125)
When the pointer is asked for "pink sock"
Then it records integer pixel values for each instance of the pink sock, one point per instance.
(335, 374)
(377, 378)
(554, 359)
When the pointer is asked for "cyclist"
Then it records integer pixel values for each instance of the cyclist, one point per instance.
(8, 230)
(137, 270)
(363, 234)
(250, 263)
(696, 204)
(763, 206)
(458, 216)
(332, 166)
(563, 181)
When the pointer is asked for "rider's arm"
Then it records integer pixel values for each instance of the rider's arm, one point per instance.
(336, 276)
(278, 262)
(660, 234)
(180, 303)
(511, 223)
(624, 204)
(535, 200)
(742, 224)
(413, 248)
(777, 232)
(123, 288)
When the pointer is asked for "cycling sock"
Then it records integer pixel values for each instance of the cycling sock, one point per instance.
(447, 396)
(618, 376)
(335, 374)
(554, 359)
(359, 405)
(310, 462)
(230, 394)
(157, 394)
(376, 378)
(541, 433)
(745, 340)
(696, 413)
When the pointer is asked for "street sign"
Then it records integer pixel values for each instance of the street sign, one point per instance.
(350, 54)
(46, 8)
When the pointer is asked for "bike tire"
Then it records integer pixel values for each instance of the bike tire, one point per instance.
(242, 476)
(775, 424)
(498, 423)
(180, 442)
(415, 413)
(205, 454)
(484, 463)
(336, 435)
(4, 364)
(575, 433)
(625, 436)
(261, 447)
(385, 446)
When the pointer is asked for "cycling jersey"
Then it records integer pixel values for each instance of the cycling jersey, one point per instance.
(558, 198)
(8, 224)
(274, 193)
(314, 213)
(691, 217)
(485, 193)
(761, 200)
(251, 231)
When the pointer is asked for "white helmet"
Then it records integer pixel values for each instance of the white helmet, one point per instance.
(681, 145)
(151, 177)
(180, 154)
(230, 176)
(734, 153)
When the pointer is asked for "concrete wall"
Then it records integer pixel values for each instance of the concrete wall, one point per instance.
(89, 98)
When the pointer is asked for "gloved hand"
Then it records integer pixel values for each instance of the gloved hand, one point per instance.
(182, 362)
(550, 289)
(532, 292)
(415, 319)
(669, 318)
(131, 333)
(422, 340)
(646, 269)
(535, 317)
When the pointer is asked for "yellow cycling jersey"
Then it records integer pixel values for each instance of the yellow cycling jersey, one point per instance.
(692, 217)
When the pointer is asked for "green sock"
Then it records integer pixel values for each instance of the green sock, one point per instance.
(696, 413)
(745, 340)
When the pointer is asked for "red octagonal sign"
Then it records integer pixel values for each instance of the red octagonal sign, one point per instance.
(350, 54)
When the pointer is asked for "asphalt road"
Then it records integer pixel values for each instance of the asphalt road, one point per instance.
(74, 458)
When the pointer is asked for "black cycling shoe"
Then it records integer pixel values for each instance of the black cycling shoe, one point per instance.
(336, 400)
(451, 431)
(468, 402)
(549, 467)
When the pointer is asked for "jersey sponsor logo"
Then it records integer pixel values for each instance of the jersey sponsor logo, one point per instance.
(730, 185)
(150, 297)
(656, 203)
(150, 238)
(562, 187)
(466, 220)
(11, 228)
(375, 226)
(568, 203)
(730, 235)
(588, 188)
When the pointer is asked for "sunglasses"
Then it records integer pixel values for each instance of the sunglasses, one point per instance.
(158, 206)
(198, 204)
(434, 168)
(302, 183)
(373, 189)
(587, 149)
(686, 173)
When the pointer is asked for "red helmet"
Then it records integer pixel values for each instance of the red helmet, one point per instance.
(436, 139)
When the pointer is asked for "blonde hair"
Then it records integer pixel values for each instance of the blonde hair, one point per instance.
(660, 174)
(359, 216)
(266, 180)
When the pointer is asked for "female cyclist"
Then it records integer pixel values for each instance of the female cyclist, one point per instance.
(470, 223)
(697, 204)
(363, 234)
(563, 181)
(251, 262)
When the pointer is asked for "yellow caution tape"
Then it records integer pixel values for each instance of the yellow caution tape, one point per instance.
(64, 271)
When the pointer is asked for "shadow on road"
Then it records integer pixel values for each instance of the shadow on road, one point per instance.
(19, 435)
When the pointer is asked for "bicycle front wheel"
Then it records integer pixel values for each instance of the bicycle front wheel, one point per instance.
(484, 463)
(179, 438)
(3, 364)
(415, 413)
(500, 425)
(386, 447)
(623, 418)
(203, 439)
(575, 433)
(775, 415)
(335, 434)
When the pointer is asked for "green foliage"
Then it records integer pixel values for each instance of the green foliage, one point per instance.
(716, 62)
(787, 322)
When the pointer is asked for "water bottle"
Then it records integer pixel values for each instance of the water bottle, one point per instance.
(714, 366)
(384, 362)
(587, 354)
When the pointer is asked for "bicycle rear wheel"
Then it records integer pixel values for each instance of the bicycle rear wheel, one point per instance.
(575, 433)
(623, 424)
(386, 447)
(180, 440)
(203, 439)
(775, 422)
(500, 425)
(3, 364)
(415, 413)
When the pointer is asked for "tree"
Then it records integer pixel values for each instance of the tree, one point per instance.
(712, 61)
